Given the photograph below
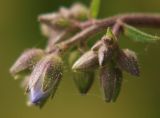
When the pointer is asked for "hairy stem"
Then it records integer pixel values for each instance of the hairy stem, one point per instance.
(90, 28)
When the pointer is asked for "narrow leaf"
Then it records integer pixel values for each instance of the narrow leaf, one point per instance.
(138, 35)
(94, 8)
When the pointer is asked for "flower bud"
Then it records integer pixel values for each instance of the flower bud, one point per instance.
(118, 84)
(127, 60)
(83, 80)
(48, 17)
(44, 79)
(79, 11)
(45, 30)
(65, 12)
(49, 32)
(26, 62)
(111, 79)
(61, 22)
(87, 61)
(104, 54)
(54, 19)
(46, 20)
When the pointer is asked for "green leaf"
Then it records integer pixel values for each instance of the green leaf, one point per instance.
(138, 35)
(94, 8)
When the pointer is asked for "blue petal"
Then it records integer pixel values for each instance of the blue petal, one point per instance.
(36, 94)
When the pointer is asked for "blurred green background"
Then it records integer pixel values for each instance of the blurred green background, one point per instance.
(19, 30)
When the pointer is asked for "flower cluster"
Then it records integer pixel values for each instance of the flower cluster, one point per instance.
(42, 69)
(42, 74)
(58, 26)
(111, 61)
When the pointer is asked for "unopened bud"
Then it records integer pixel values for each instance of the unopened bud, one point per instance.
(108, 39)
(61, 22)
(45, 79)
(48, 17)
(87, 61)
(54, 19)
(26, 62)
(127, 60)
(117, 83)
(83, 80)
(64, 12)
(104, 54)
(111, 79)
(45, 30)
(46, 20)
(79, 11)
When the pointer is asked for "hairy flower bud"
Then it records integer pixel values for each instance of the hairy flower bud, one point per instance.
(109, 39)
(104, 54)
(87, 61)
(83, 80)
(127, 60)
(45, 30)
(46, 20)
(44, 79)
(106, 47)
(117, 83)
(111, 79)
(65, 12)
(48, 17)
(62, 22)
(79, 11)
(26, 62)
(54, 19)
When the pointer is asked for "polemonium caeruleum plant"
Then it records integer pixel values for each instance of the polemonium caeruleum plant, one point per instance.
(68, 30)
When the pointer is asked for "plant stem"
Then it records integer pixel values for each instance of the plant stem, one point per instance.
(90, 28)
